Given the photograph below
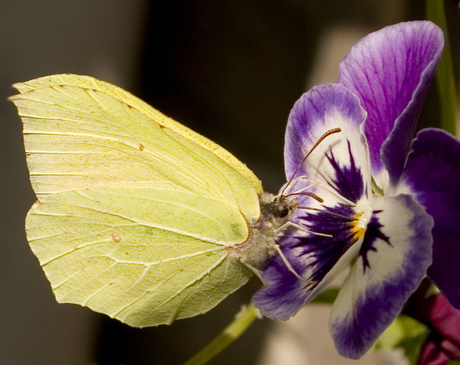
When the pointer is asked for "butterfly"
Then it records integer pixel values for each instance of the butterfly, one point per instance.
(137, 216)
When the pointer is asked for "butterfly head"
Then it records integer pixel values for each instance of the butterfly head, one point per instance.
(261, 245)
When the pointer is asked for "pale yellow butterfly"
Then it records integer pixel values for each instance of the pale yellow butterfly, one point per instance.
(137, 217)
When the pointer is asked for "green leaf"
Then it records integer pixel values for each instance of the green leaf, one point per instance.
(326, 297)
(406, 333)
(445, 72)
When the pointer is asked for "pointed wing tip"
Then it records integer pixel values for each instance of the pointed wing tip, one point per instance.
(45, 81)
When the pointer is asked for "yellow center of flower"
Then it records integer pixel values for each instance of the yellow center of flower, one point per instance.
(363, 213)
(358, 228)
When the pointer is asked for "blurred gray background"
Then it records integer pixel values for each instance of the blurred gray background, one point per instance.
(230, 70)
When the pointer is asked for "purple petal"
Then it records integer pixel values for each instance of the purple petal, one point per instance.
(393, 260)
(283, 294)
(332, 191)
(317, 259)
(390, 71)
(339, 155)
(432, 175)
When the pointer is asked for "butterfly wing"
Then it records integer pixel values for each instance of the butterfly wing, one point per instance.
(134, 210)
(91, 84)
(80, 132)
(121, 252)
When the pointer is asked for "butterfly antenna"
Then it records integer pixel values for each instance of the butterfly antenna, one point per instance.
(310, 194)
(325, 134)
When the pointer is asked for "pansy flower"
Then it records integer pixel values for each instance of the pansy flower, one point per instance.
(368, 194)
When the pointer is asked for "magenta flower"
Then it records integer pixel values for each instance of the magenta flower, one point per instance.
(443, 322)
(371, 195)
(443, 342)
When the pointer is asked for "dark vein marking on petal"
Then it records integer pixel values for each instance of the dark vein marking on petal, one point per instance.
(348, 181)
(373, 233)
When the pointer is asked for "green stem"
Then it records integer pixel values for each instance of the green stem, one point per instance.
(444, 72)
(241, 322)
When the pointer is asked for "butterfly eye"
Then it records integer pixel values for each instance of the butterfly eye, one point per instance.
(281, 211)
(279, 207)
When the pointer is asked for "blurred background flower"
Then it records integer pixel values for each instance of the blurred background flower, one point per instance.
(443, 320)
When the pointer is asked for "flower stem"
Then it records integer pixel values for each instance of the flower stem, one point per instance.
(444, 72)
(242, 321)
